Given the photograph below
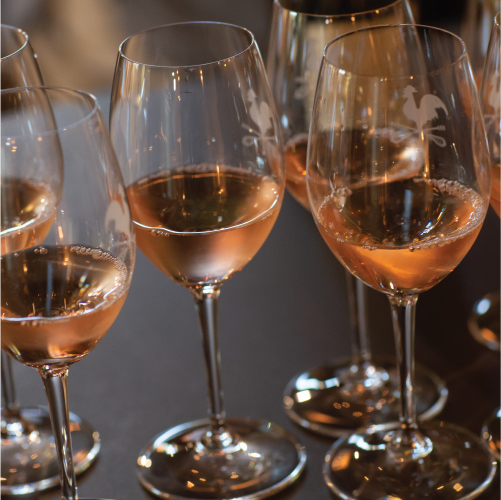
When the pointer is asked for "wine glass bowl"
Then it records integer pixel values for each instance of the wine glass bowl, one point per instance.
(401, 236)
(61, 295)
(196, 133)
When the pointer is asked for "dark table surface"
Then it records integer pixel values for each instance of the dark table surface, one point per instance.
(284, 313)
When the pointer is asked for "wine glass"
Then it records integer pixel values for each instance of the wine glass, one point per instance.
(484, 320)
(196, 134)
(60, 297)
(475, 31)
(346, 394)
(29, 461)
(383, 93)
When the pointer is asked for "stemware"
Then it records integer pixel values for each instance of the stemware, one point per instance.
(29, 461)
(475, 31)
(345, 394)
(384, 94)
(197, 136)
(59, 297)
(484, 320)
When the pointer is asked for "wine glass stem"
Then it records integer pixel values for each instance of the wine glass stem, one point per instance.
(403, 311)
(206, 300)
(8, 388)
(56, 388)
(357, 300)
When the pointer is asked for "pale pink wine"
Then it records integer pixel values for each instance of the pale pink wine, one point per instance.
(404, 236)
(201, 224)
(28, 211)
(406, 155)
(58, 302)
(295, 168)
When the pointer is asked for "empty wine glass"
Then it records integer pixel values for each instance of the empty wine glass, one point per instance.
(29, 460)
(196, 133)
(345, 394)
(387, 93)
(60, 297)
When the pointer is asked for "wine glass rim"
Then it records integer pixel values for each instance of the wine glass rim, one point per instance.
(63, 90)
(497, 19)
(19, 30)
(189, 23)
(342, 16)
(463, 55)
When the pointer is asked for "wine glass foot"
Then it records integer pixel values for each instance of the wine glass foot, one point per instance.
(484, 321)
(29, 462)
(363, 467)
(257, 460)
(334, 399)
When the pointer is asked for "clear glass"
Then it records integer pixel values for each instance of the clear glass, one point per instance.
(475, 31)
(361, 391)
(29, 460)
(65, 196)
(485, 317)
(197, 136)
(391, 98)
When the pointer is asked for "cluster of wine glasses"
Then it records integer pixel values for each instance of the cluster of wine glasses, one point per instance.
(377, 130)
(29, 461)
(362, 391)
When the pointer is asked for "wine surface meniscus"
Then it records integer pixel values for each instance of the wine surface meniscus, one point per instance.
(58, 302)
(404, 155)
(201, 224)
(28, 211)
(404, 236)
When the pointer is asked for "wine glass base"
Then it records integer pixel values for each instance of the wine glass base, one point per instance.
(484, 321)
(362, 467)
(334, 399)
(29, 462)
(261, 460)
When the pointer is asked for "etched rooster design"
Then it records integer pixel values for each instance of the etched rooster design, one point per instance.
(426, 112)
(262, 120)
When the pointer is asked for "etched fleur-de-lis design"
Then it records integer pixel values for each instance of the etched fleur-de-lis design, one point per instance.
(261, 126)
(427, 111)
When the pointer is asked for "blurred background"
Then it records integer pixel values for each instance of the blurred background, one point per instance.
(77, 41)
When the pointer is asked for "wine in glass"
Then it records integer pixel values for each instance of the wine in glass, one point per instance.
(60, 296)
(381, 91)
(346, 394)
(29, 460)
(196, 133)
